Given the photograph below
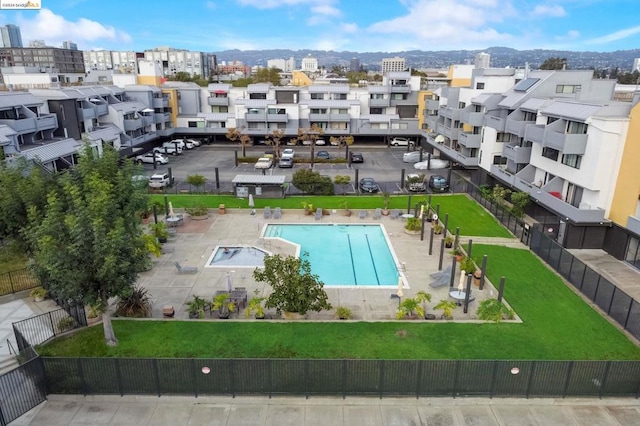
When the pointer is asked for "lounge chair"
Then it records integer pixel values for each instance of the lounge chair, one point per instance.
(277, 213)
(377, 213)
(395, 213)
(267, 212)
(186, 269)
(362, 214)
(318, 213)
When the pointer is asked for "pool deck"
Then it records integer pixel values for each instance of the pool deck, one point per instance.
(195, 240)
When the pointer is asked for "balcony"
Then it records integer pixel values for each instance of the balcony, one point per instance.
(495, 122)
(23, 125)
(47, 122)
(502, 174)
(400, 88)
(517, 127)
(340, 117)
(379, 103)
(475, 119)
(260, 117)
(161, 102)
(534, 133)
(102, 109)
(469, 140)
(162, 117)
(86, 113)
(218, 101)
(431, 121)
(452, 113)
(318, 117)
(432, 104)
(277, 118)
(131, 124)
(451, 133)
(147, 120)
(517, 154)
(567, 143)
(633, 224)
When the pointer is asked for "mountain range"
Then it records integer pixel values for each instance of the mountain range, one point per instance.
(500, 57)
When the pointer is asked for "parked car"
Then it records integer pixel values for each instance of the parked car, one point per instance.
(438, 183)
(320, 142)
(195, 142)
(401, 142)
(159, 180)
(413, 156)
(323, 155)
(184, 143)
(285, 162)
(368, 185)
(259, 141)
(149, 158)
(436, 163)
(356, 157)
(415, 182)
(169, 148)
(264, 163)
(288, 153)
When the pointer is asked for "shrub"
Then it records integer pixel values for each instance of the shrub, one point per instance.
(494, 310)
(136, 305)
(413, 224)
(344, 313)
(197, 211)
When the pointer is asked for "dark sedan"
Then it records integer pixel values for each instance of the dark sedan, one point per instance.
(357, 157)
(368, 185)
(323, 155)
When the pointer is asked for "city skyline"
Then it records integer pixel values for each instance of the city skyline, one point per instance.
(382, 26)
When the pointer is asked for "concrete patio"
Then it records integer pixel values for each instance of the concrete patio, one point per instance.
(195, 240)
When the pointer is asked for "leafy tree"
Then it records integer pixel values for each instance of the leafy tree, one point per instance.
(629, 77)
(355, 77)
(88, 243)
(267, 75)
(341, 141)
(180, 76)
(519, 200)
(342, 181)
(410, 307)
(554, 63)
(310, 182)
(196, 180)
(242, 82)
(295, 288)
(236, 135)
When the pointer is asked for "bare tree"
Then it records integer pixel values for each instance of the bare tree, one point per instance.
(311, 134)
(237, 135)
(274, 139)
(341, 141)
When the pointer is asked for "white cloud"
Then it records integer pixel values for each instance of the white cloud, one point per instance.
(210, 5)
(554, 11)
(55, 29)
(618, 35)
(272, 4)
(349, 27)
(325, 9)
(570, 35)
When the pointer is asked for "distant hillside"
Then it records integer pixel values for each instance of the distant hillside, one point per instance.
(500, 57)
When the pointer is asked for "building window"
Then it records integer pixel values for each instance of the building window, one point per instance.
(479, 85)
(319, 96)
(568, 88)
(375, 110)
(575, 128)
(499, 160)
(257, 96)
(192, 124)
(502, 137)
(550, 153)
(318, 111)
(572, 160)
(461, 105)
(528, 116)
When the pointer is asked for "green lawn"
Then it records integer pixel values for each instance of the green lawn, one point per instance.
(472, 219)
(558, 325)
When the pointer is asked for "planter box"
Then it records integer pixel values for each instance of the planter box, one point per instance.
(201, 217)
(293, 316)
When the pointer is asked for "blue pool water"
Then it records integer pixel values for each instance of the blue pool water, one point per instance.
(343, 255)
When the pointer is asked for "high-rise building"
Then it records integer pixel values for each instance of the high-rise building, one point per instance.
(393, 64)
(69, 45)
(636, 65)
(11, 36)
(309, 63)
(354, 65)
(482, 60)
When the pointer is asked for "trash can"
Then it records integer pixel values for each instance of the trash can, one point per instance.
(222, 209)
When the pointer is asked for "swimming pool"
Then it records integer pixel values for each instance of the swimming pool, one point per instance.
(343, 255)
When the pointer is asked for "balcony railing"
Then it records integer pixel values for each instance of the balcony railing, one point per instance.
(469, 140)
(131, 124)
(567, 143)
(452, 113)
(318, 117)
(380, 103)
(339, 117)
(534, 133)
(86, 113)
(161, 102)
(47, 122)
(633, 224)
(256, 117)
(102, 109)
(495, 122)
(148, 120)
(517, 154)
(517, 127)
(277, 118)
(218, 101)
(161, 117)
(499, 172)
(400, 88)
(433, 105)
(23, 125)
(472, 118)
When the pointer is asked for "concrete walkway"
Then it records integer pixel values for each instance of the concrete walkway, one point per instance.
(281, 411)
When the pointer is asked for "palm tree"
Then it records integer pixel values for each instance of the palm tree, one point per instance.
(409, 308)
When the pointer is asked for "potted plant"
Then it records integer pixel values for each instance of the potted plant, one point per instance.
(386, 197)
(457, 253)
(198, 213)
(224, 305)
(196, 307)
(410, 308)
(423, 297)
(448, 241)
(255, 307)
(494, 310)
(447, 307)
(38, 294)
(413, 226)
(343, 313)
(345, 206)
(93, 313)
(438, 228)
(308, 208)
(467, 265)
(160, 231)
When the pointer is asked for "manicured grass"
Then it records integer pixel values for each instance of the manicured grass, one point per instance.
(463, 212)
(558, 325)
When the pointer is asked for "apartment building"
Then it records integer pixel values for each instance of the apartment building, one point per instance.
(286, 65)
(396, 64)
(173, 61)
(63, 60)
(103, 60)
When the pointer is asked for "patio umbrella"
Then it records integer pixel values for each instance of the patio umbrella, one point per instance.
(400, 285)
(252, 204)
(461, 283)
(421, 211)
(171, 213)
(229, 282)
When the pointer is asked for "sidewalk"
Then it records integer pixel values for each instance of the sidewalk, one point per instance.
(261, 411)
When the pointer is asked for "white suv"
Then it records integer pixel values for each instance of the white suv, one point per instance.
(401, 142)
(159, 180)
(170, 148)
(184, 143)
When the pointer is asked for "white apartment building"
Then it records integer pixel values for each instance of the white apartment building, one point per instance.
(636, 65)
(393, 64)
(309, 64)
(286, 65)
(482, 60)
(102, 60)
(173, 61)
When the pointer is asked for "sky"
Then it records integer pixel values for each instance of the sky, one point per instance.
(340, 25)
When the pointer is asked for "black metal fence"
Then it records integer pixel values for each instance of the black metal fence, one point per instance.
(21, 390)
(383, 378)
(18, 280)
(37, 330)
(621, 307)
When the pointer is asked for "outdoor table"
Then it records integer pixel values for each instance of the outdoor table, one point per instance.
(174, 221)
(407, 216)
(458, 296)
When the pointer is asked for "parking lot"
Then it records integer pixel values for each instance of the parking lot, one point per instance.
(383, 164)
